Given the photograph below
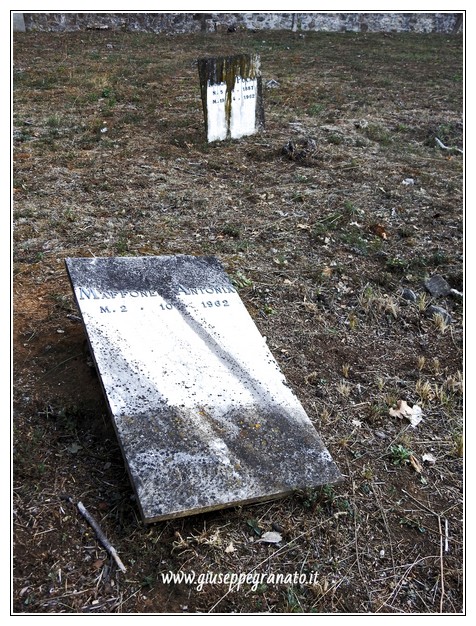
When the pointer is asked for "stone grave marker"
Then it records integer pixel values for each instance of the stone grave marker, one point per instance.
(232, 96)
(204, 417)
(18, 23)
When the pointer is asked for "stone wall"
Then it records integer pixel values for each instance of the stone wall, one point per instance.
(211, 22)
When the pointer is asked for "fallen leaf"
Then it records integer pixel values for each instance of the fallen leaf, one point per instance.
(270, 537)
(379, 230)
(304, 226)
(416, 464)
(402, 410)
(327, 271)
(413, 414)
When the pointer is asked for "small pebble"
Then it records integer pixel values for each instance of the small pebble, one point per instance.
(409, 295)
(438, 310)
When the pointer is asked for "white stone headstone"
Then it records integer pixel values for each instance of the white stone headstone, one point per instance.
(231, 96)
(18, 23)
(204, 417)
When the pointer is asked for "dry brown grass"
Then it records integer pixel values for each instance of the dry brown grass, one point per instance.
(303, 242)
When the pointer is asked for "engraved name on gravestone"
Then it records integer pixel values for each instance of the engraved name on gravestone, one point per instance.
(203, 414)
(232, 99)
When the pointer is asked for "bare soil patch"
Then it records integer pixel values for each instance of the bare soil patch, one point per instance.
(322, 241)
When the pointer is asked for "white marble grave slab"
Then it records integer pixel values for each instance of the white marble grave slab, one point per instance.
(217, 125)
(204, 417)
(242, 115)
(243, 107)
(231, 96)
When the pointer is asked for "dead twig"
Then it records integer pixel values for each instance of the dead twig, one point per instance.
(376, 492)
(420, 504)
(445, 537)
(100, 535)
(443, 147)
(401, 581)
(75, 356)
(442, 574)
(356, 539)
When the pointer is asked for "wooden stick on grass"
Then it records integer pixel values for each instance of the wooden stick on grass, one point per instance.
(100, 535)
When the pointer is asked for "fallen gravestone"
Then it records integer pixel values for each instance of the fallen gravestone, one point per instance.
(203, 414)
(231, 90)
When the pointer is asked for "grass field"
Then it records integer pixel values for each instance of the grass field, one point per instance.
(110, 158)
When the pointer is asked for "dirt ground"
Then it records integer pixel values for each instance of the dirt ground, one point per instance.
(329, 245)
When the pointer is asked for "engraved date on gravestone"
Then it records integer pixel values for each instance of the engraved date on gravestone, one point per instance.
(119, 296)
(203, 415)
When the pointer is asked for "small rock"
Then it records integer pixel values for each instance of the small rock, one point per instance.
(270, 537)
(438, 310)
(306, 148)
(277, 527)
(437, 286)
(73, 318)
(408, 294)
